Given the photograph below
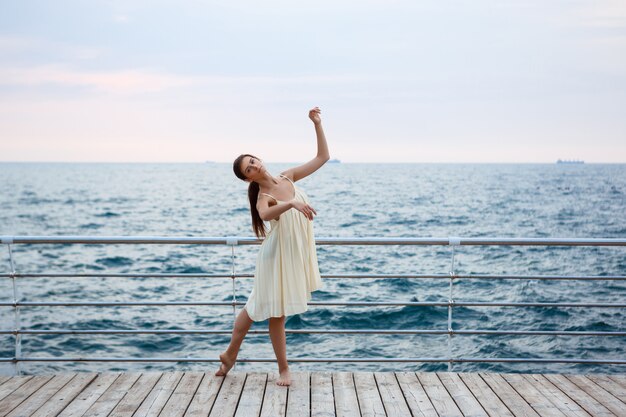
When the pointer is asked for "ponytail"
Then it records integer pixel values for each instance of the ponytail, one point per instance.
(257, 223)
(258, 227)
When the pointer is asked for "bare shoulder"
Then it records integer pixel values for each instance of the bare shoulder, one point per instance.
(264, 200)
(289, 174)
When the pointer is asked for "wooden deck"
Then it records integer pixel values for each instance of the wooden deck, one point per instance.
(313, 394)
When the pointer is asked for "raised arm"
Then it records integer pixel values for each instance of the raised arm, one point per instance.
(306, 169)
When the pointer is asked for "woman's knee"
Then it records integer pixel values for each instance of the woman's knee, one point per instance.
(243, 321)
(244, 313)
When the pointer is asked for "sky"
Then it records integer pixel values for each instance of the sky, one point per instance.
(396, 81)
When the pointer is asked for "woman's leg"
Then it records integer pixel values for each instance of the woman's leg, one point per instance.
(279, 342)
(242, 325)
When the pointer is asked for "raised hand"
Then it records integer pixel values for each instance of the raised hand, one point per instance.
(314, 115)
(304, 208)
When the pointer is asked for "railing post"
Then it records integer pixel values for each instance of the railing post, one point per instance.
(16, 312)
(453, 241)
(232, 241)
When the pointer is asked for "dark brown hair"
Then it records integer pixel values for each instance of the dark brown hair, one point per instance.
(253, 193)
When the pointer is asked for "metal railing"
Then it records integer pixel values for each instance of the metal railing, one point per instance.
(450, 304)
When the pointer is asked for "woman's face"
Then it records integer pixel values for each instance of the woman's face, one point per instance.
(252, 168)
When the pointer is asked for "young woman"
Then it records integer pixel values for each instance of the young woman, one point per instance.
(286, 268)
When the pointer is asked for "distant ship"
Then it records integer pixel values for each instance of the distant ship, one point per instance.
(570, 161)
(334, 161)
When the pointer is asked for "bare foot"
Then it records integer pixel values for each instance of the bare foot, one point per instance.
(285, 378)
(227, 363)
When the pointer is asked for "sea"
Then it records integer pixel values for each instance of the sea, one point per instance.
(426, 200)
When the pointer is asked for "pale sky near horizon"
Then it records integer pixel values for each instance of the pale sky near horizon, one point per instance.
(397, 81)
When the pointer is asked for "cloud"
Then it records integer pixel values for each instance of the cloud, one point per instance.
(13, 44)
(121, 18)
(602, 14)
(134, 81)
(22, 46)
(124, 81)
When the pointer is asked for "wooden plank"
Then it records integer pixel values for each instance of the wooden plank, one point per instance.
(415, 396)
(484, 395)
(391, 394)
(228, 396)
(136, 395)
(158, 396)
(298, 395)
(620, 379)
(12, 384)
(4, 378)
(462, 396)
(539, 402)
(603, 396)
(514, 402)
(109, 399)
(322, 403)
(583, 399)
(66, 395)
(252, 395)
(16, 397)
(90, 394)
(368, 396)
(275, 398)
(204, 398)
(608, 384)
(181, 397)
(559, 398)
(41, 396)
(439, 396)
(346, 403)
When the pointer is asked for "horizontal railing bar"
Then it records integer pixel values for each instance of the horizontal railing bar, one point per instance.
(537, 332)
(539, 242)
(325, 331)
(250, 275)
(334, 276)
(348, 359)
(313, 303)
(201, 303)
(127, 275)
(545, 277)
(242, 240)
(480, 304)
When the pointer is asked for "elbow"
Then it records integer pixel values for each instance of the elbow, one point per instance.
(324, 158)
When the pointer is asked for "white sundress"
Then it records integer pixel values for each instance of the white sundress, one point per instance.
(286, 267)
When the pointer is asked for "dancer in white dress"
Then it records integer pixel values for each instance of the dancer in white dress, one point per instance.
(286, 269)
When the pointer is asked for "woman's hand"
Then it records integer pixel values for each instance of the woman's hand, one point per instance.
(306, 209)
(314, 115)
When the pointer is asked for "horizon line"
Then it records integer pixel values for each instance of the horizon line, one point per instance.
(300, 162)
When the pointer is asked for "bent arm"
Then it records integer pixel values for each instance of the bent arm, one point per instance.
(267, 213)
